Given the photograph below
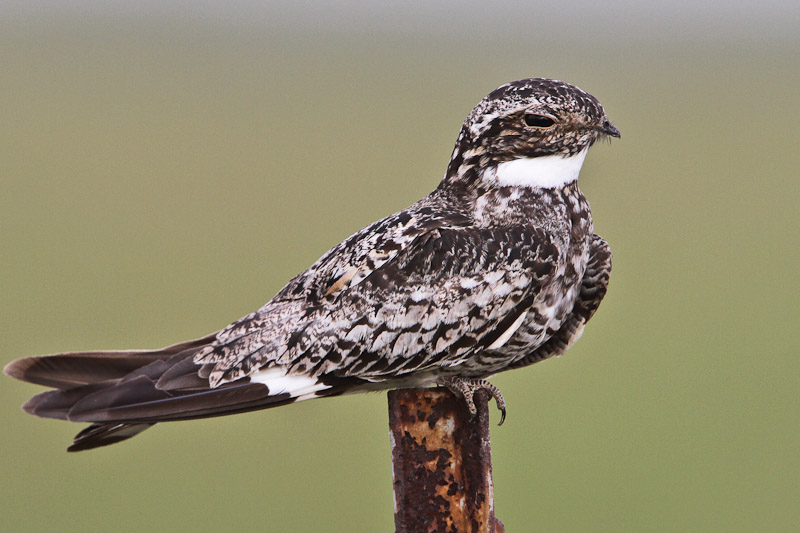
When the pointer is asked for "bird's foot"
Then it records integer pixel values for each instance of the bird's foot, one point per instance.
(467, 387)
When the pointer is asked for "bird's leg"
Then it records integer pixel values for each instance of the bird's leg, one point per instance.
(466, 388)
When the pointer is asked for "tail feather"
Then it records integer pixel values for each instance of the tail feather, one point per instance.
(69, 370)
(57, 403)
(98, 435)
(124, 393)
(183, 375)
(138, 400)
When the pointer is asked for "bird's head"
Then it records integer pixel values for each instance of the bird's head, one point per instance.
(533, 132)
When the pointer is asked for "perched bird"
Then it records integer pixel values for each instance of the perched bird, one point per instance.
(497, 268)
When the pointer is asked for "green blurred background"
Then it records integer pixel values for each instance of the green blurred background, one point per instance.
(166, 167)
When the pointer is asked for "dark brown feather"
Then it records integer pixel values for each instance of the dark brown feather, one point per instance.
(98, 435)
(68, 370)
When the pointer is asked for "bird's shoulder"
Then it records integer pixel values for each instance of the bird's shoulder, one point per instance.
(368, 250)
(427, 243)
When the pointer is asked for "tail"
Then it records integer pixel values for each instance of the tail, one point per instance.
(123, 393)
(74, 375)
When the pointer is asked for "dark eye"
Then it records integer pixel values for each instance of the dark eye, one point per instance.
(538, 121)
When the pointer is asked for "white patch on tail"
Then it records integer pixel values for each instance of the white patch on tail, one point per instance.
(280, 382)
(545, 172)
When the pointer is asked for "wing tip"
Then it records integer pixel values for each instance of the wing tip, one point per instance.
(17, 369)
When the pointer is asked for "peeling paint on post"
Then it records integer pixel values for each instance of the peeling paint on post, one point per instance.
(441, 463)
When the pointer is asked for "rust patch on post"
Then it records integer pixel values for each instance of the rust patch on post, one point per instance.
(441, 463)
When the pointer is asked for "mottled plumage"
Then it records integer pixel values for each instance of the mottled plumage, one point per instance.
(497, 268)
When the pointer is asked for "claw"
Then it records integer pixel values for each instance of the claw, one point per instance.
(467, 387)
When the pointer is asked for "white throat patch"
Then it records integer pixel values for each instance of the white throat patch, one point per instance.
(546, 172)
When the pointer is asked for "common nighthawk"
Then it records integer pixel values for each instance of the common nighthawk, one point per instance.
(497, 268)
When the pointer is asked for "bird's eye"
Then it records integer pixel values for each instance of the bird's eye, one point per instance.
(533, 120)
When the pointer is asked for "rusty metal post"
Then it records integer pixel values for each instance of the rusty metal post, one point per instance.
(441, 463)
